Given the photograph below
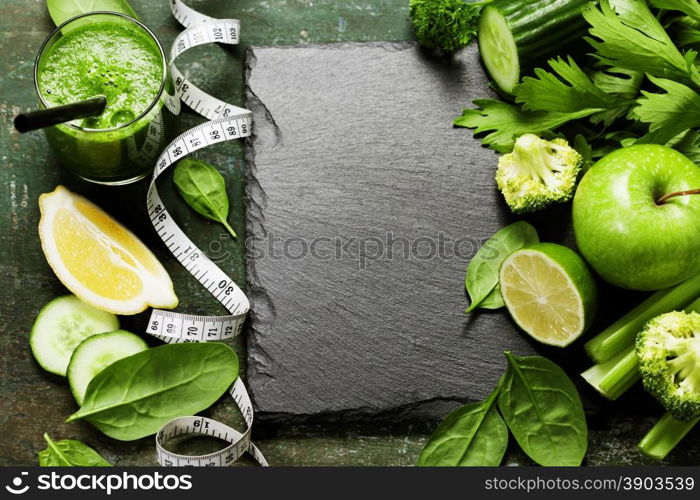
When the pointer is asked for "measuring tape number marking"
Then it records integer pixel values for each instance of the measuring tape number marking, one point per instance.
(227, 122)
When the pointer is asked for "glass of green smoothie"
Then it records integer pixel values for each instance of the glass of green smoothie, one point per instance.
(113, 55)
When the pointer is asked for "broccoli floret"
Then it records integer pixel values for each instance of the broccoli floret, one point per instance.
(668, 350)
(448, 25)
(538, 173)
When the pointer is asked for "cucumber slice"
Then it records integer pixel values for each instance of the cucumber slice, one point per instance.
(498, 49)
(97, 352)
(60, 326)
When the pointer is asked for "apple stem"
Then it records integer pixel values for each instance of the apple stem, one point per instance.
(668, 196)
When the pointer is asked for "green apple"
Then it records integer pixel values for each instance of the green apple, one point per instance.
(626, 227)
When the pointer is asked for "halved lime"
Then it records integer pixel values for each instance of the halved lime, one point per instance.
(550, 292)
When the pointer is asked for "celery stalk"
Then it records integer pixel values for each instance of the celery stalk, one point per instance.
(620, 335)
(668, 431)
(615, 376)
(694, 307)
(665, 435)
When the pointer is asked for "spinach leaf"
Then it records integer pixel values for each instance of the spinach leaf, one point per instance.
(472, 435)
(493, 300)
(69, 453)
(62, 10)
(204, 189)
(482, 272)
(543, 410)
(135, 396)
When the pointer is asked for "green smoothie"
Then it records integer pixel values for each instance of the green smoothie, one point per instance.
(114, 56)
(118, 61)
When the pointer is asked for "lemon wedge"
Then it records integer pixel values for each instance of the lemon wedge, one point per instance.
(98, 259)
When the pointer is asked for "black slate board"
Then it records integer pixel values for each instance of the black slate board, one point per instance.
(352, 142)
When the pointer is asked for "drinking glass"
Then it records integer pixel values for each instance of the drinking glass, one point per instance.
(118, 155)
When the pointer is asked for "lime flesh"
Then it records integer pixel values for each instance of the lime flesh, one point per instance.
(550, 293)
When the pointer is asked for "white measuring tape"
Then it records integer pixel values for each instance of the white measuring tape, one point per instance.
(227, 122)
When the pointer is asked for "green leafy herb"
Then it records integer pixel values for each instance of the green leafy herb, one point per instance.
(668, 114)
(472, 435)
(569, 90)
(619, 81)
(448, 25)
(482, 273)
(604, 102)
(506, 122)
(543, 411)
(135, 396)
(69, 453)
(627, 35)
(691, 8)
(63, 10)
(583, 148)
(686, 33)
(204, 189)
(689, 145)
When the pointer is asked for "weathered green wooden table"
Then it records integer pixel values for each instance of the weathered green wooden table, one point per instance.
(32, 401)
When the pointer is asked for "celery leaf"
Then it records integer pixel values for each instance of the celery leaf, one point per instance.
(690, 8)
(627, 35)
(506, 122)
(670, 113)
(569, 90)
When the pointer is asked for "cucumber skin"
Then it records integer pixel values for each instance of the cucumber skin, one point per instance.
(542, 28)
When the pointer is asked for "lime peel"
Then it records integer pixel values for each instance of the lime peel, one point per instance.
(550, 293)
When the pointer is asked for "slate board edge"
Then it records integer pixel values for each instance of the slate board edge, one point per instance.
(260, 302)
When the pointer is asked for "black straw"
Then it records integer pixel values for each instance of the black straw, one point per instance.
(53, 116)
